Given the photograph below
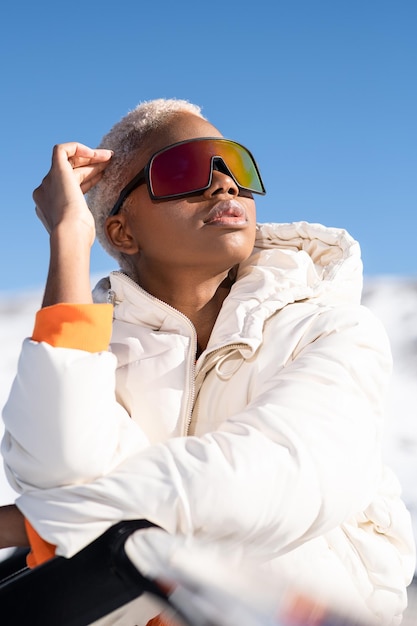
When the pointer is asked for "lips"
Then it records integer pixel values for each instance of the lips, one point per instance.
(227, 212)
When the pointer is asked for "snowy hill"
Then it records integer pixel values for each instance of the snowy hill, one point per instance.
(394, 300)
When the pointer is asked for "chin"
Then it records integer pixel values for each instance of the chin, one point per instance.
(235, 247)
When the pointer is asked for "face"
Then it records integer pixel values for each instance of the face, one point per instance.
(210, 231)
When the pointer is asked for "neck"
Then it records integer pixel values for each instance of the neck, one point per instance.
(198, 298)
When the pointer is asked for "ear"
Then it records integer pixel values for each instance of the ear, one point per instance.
(119, 234)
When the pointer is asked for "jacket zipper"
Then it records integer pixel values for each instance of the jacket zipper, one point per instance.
(192, 363)
(207, 358)
(193, 348)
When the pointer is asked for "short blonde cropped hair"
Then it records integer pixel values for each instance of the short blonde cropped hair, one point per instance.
(125, 138)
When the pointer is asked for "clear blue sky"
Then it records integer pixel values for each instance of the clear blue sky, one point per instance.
(324, 93)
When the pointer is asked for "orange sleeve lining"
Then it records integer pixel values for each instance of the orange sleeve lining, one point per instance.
(78, 326)
(41, 550)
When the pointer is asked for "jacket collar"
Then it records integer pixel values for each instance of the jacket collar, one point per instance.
(290, 262)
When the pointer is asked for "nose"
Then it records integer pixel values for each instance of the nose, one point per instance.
(221, 183)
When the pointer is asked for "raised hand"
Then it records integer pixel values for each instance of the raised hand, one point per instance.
(61, 206)
(74, 170)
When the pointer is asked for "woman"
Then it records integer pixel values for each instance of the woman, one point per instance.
(240, 396)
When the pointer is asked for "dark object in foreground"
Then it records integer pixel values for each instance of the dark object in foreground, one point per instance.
(76, 591)
(101, 578)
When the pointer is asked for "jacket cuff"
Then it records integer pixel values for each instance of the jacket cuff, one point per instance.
(78, 326)
(41, 550)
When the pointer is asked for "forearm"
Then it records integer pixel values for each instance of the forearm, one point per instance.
(12, 527)
(69, 268)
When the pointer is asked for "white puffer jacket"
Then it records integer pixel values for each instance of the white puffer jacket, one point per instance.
(272, 439)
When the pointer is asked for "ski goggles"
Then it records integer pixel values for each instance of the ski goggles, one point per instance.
(186, 168)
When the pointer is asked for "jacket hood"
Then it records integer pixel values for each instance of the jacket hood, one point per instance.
(314, 257)
(290, 263)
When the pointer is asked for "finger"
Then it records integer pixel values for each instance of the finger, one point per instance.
(65, 151)
(77, 154)
(100, 155)
(88, 184)
(85, 173)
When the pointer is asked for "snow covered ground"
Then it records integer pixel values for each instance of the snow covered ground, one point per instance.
(393, 299)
